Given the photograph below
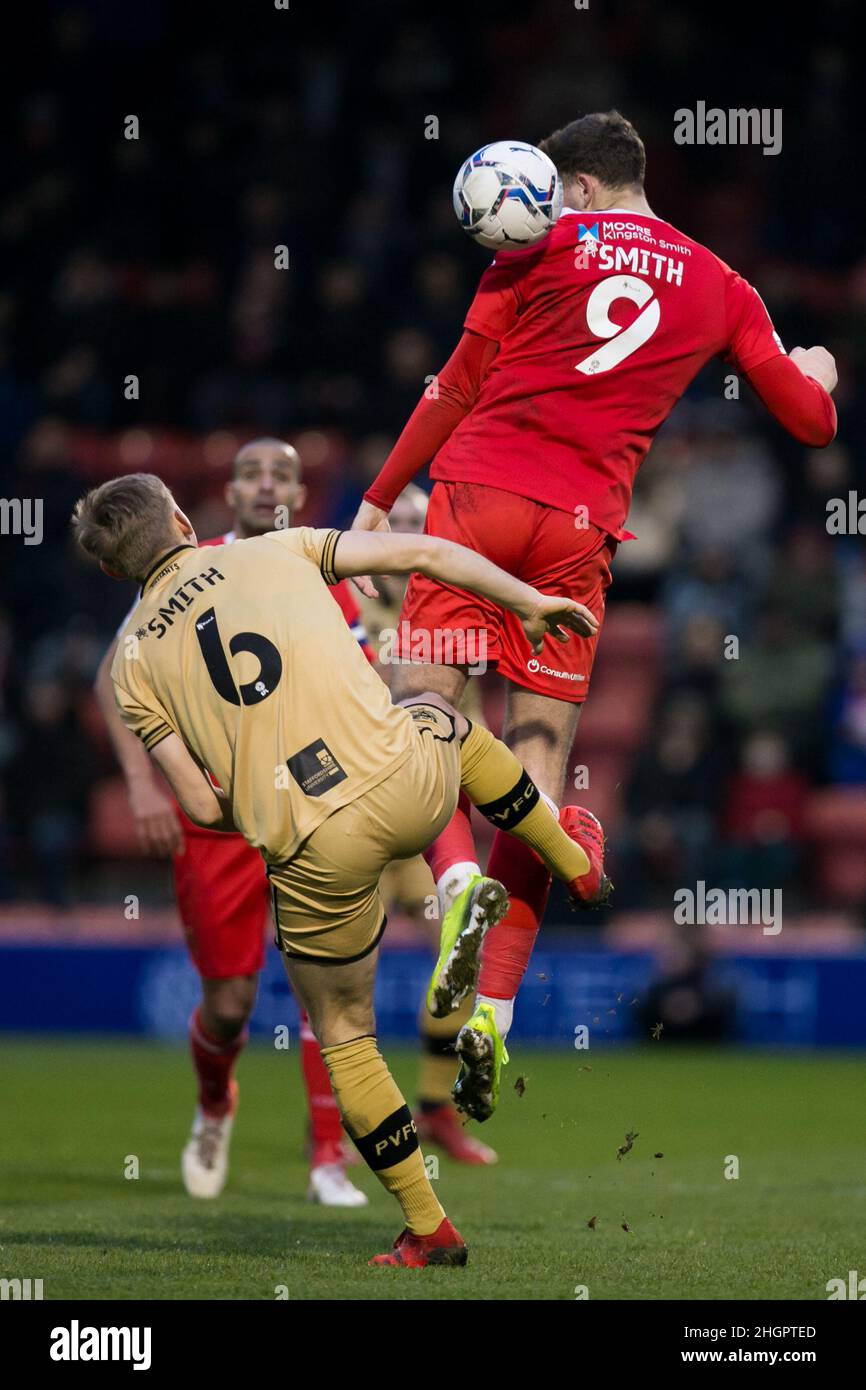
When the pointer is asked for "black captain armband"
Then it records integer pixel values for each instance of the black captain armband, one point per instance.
(509, 810)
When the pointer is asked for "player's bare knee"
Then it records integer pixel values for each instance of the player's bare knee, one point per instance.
(227, 1005)
(413, 682)
(225, 1024)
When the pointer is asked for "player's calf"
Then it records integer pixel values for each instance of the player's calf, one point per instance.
(380, 1124)
(506, 795)
(339, 1001)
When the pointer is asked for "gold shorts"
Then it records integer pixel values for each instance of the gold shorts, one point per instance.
(327, 904)
(407, 886)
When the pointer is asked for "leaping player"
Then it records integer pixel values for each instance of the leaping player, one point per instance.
(314, 765)
(574, 353)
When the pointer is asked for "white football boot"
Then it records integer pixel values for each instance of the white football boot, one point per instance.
(204, 1162)
(331, 1188)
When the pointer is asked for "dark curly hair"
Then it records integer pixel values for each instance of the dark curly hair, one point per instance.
(603, 144)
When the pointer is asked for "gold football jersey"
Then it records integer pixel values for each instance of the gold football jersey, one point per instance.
(242, 652)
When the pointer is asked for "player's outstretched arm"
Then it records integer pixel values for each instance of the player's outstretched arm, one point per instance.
(155, 819)
(376, 552)
(189, 784)
(796, 387)
(796, 391)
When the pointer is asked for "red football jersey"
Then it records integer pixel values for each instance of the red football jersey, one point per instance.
(601, 328)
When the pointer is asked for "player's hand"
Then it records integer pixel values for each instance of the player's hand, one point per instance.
(559, 617)
(156, 822)
(817, 363)
(369, 518)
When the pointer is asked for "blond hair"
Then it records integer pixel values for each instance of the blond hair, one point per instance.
(126, 523)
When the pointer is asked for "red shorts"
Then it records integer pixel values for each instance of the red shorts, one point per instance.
(224, 902)
(540, 545)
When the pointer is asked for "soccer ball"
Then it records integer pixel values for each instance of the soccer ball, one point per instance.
(507, 195)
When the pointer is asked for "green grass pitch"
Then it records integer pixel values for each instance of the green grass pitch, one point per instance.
(74, 1111)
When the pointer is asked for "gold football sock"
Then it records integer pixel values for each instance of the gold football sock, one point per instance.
(378, 1121)
(504, 792)
(438, 1059)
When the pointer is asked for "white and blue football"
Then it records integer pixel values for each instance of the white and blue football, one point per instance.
(507, 195)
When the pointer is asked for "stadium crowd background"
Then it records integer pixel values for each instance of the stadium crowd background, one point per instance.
(155, 257)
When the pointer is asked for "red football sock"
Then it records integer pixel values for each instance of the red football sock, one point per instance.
(456, 844)
(214, 1063)
(326, 1129)
(508, 946)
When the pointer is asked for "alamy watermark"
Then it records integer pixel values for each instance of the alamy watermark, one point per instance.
(846, 516)
(22, 516)
(736, 126)
(854, 1287)
(77, 1343)
(20, 1290)
(438, 646)
(715, 907)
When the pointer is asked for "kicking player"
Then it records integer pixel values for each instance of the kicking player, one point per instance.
(222, 890)
(574, 353)
(239, 662)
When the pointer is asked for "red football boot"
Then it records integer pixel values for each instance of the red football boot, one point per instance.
(444, 1247)
(442, 1127)
(593, 888)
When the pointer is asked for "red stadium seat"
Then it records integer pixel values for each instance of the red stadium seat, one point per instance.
(631, 636)
(111, 829)
(616, 714)
(836, 825)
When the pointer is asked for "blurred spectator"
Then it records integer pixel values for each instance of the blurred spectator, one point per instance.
(732, 492)
(779, 678)
(763, 819)
(675, 785)
(685, 998)
(709, 586)
(52, 777)
(696, 661)
(847, 758)
(655, 514)
(803, 581)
